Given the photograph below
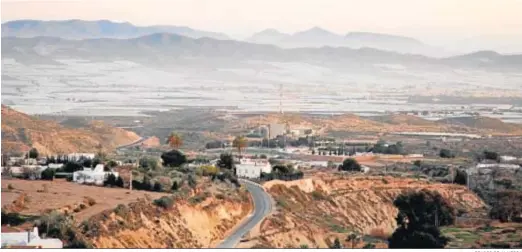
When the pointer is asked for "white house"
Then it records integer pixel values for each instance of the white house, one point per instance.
(92, 176)
(508, 158)
(252, 168)
(29, 238)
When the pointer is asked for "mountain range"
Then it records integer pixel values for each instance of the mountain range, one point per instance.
(319, 37)
(314, 37)
(164, 48)
(81, 29)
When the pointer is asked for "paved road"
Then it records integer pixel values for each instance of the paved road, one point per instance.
(142, 139)
(262, 207)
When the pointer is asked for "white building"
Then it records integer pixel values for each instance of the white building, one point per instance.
(92, 176)
(276, 130)
(252, 168)
(29, 238)
(508, 158)
(78, 156)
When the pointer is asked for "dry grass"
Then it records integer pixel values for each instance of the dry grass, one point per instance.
(62, 194)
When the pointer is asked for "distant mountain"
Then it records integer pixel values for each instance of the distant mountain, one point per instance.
(268, 36)
(80, 29)
(314, 37)
(319, 37)
(164, 48)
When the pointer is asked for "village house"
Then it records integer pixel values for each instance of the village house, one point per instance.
(27, 239)
(92, 176)
(252, 168)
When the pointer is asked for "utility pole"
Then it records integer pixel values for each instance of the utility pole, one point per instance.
(281, 98)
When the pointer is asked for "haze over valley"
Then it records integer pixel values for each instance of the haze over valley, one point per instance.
(161, 71)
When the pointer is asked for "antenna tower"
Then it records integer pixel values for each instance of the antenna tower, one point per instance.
(281, 98)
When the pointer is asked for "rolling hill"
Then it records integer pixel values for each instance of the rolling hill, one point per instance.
(167, 48)
(486, 123)
(21, 132)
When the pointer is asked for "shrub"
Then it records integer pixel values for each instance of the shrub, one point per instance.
(48, 174)
(174, 186)
(157, 187)
(369, 246)
(10, 187)
(119, 182)
(164, 202)
(461, 177)
(110, 181)
(82, 206)
(491, 155)
(318, 195)
(192, 181)
(198, 198)
(90, 201)
(121, 210)
(445, 153)
(208, 170)
(12, 219)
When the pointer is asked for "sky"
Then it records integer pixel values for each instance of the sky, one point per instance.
(433, 21)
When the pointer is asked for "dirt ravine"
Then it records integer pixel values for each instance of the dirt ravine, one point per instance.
(185, 225)
(314, 211)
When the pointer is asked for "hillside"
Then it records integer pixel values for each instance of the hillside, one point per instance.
(486, 123)
(315, 211)
(21, 131)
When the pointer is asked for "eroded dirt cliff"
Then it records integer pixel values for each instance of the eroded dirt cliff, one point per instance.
(200, 221)
(315, 211)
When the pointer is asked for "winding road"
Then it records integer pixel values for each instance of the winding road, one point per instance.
(262, 207)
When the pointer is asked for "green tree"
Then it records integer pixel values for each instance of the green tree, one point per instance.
(226, 161)
(420, 215)
(240, 143)
(173, 158)
(336, 244)
(507, 206)
(87, 163)
(33, 153)
(491, 155)
(350, 164)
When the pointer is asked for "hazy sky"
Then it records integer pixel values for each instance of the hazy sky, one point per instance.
(435, 21)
